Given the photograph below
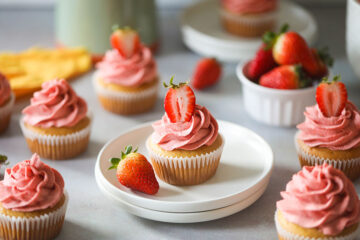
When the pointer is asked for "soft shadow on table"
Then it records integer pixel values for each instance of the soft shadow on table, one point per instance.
(262, 211)
(72, 231)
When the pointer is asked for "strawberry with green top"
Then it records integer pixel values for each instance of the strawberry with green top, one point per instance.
(290, 48)
(3, 159)
(179, 102)
(125, 40)
(134, 171)
(331, 97)
(285, 77)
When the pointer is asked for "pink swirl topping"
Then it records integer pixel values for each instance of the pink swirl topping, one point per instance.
(320, 197)
(249, 6)
(201, 130)
(55, 105)
(31, 185)
(335, 133)
(128, 72)
(5, 90)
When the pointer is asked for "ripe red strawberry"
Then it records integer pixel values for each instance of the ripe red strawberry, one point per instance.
(179, 102)
(126, 41)
(331, 97)
(135, 172)
(207, 73)
(290, 48)
(262, 63)
(323, 59)
(284, 77)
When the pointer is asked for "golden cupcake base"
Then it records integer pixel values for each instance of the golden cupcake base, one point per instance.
(38, 225)
(348, 161)
(182, 167)
(126, 100)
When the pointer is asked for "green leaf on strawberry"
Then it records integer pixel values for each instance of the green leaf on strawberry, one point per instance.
(115, 161)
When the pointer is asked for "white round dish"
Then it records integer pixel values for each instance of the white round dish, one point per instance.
(245, 167)
(188, 217)
(203, 33)
(283, 108)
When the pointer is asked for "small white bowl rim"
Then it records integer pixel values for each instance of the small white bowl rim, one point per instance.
(257, 87)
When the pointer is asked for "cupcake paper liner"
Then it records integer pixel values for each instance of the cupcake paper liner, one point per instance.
(248, 25)
(126, 103)
(43, 227)
(5, 113)
(351, 167)
(285, 235)
(57, 146)
(185, 170)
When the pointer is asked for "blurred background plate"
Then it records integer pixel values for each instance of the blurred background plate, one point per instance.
(203, 33)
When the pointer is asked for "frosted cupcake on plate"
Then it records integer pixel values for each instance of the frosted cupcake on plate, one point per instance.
(248, 18)
(319, 203)
(331, 130)
(126, 80)
(185, 148)
(7, 99)
(56, 124)
(32, 201)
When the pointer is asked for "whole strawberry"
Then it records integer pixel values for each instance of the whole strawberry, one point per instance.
(135, 172)
(125, 40)
(207, 73)
(290, 48)
(262, 63)
(179, 102)
(284, 77)
(324, 60)
(331, 97)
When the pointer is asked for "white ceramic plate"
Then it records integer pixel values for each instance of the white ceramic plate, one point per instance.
(203, 33)
(191, 217)
(245, 167)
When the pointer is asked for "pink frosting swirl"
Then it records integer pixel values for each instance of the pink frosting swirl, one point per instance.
(55, 105)
(31, 185)
(320, 197)
(128, 72)
(5, 90)
(335, 133)
(201, 130)
(249, 6)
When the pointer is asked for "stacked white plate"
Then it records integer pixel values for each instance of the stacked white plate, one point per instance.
(242, 177)
(203, 33)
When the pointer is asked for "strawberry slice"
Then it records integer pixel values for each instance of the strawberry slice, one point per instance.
(126, 41)
(331, 97)
(179, 102)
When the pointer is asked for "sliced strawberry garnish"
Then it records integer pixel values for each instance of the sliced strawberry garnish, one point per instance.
(126, 41)
(179, 102)
(331, 97)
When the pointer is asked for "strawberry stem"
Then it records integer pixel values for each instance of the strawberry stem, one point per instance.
(325, 56)
(173, 85)
(269, 37)
(336, 78)
(3, 159)
(115, 161)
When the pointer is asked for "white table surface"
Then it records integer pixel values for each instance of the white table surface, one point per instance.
(90, 215)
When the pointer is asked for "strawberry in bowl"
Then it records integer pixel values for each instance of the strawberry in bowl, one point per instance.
(281, 79)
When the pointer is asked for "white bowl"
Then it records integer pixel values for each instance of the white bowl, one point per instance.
(275, 107)
(353, 35)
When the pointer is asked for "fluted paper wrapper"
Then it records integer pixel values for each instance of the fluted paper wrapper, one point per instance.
(285, 235)
(43, 227)
(5, 113)
(126, 103)
(351, 167)
(184, 171)
(248, 26)
(57, 147)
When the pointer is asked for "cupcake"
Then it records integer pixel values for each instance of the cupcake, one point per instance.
(331, 131)
(7, 100)
(32, 201)
(248, 18)
(319, 203)
(126, 80)
(185, 147)
(56, 124)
